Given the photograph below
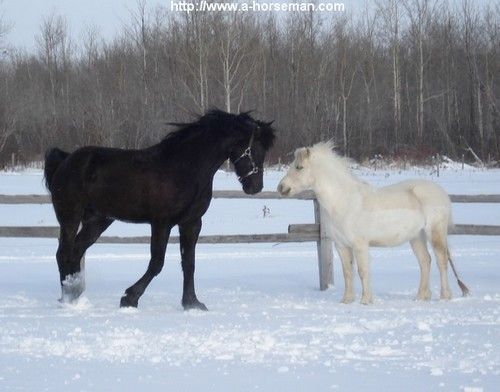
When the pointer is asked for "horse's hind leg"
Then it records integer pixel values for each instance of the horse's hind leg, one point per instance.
(92, 228)
(440, 245)
(189, 233)
(419, 246)
(69, 281)
(159, 239)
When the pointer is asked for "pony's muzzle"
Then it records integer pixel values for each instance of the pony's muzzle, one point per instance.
(284, 190)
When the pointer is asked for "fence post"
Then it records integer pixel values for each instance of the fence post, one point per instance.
(325, 251)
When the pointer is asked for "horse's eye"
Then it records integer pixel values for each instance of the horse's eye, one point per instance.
(299, 167)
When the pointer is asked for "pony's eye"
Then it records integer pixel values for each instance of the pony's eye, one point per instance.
(299, 167)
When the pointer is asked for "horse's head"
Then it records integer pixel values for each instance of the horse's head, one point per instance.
(249, 152)
(298, 177)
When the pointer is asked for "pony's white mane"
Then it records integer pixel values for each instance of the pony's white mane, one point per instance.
(323, 153)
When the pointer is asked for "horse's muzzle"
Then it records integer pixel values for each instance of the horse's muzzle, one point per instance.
(252, 189)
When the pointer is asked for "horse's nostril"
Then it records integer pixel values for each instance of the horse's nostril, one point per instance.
(283, 190)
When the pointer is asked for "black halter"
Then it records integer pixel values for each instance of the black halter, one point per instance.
(248, 154)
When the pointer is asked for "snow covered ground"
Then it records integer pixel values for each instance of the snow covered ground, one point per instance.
(269, 327)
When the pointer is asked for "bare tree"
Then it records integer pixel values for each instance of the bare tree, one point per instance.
(347, 72)
(470, 21)
(367, 28)
(7, 119)
(55, 51)
(391, 10)
(412, 77)
(194, 55)
(235, 44)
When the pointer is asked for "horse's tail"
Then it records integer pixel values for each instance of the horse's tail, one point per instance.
(53, 158)
(463, 287)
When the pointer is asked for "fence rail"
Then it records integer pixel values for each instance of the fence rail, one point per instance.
(315, 232)
(45, 199)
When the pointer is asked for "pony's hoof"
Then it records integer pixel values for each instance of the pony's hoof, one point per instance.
(127, 302)
(446, 295)
(424, 297)
(366, 300)
(194, 305)
(347, 300)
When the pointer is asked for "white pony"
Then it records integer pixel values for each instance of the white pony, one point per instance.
(362, 216)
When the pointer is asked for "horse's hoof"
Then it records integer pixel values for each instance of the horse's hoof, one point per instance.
(366, 301)
(126, 302)
(195, 305)
(72, 287)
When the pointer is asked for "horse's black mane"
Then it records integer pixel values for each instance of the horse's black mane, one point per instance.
(225, 124)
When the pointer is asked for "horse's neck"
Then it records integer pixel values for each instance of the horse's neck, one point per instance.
(334, 193)
(204, 157)
(209, 159)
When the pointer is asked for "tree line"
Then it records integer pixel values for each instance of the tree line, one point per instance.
(404, 78)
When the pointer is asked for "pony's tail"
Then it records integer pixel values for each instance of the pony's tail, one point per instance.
(53, 158)
(463, 287)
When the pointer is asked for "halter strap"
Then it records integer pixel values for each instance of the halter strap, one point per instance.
(248, 154)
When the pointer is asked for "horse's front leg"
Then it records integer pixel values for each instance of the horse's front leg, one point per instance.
(345, 254)
(159, 238)
(363, 261)
(189, 233)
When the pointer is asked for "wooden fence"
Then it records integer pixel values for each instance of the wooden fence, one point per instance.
(314, 232)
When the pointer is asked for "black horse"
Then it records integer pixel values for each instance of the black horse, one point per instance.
(164, 185)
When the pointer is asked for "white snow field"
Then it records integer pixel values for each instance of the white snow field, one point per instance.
(268, 326)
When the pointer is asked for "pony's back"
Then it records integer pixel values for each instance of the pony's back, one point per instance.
(433, 199)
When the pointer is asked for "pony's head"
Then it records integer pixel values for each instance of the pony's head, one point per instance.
(249, 152)
(300, 175)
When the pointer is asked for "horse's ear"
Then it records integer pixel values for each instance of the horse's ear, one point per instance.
(308, 152)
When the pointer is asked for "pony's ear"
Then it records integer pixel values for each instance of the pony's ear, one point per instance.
(301, 154)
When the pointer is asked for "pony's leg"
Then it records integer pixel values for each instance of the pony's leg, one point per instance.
(159, 239)
(189, 233)
(70, 290)
(345, 254)
(440, 246)
(419, 246)
(363, 261)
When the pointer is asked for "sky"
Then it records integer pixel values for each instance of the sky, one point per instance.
(26, 16)
(108, 16)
